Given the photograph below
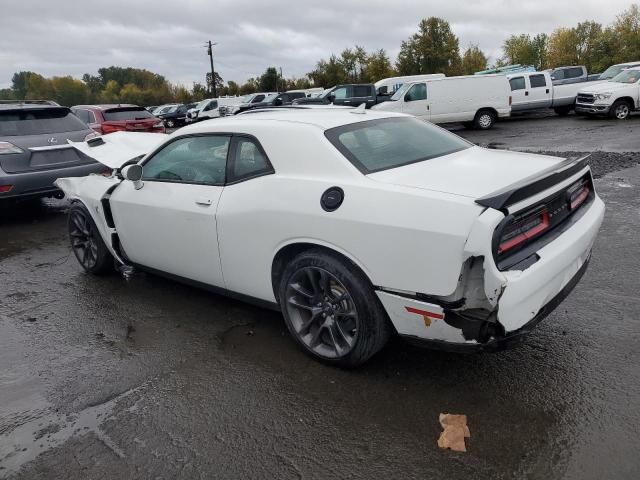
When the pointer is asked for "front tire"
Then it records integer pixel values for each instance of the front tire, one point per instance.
(171, 124)
(331, 309)
(484, 120)
(86, 242)
(620, 110)
(562, 111)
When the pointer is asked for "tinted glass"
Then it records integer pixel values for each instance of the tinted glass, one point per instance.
(557, 74)
(361, 91)
(120, 114)
(416, 92)
(537, 81)
(297, 95)
(249, 160)
(627, 76)
(258, 98)
(393, 142)
(37, 122)
(199, 160)
(573, 72)
(517, 83)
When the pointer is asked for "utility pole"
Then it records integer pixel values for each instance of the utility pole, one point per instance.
(213, 73)
(282, 80)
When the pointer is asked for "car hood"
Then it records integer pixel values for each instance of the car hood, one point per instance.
(117, 148)
(605, 87)
(473, 172)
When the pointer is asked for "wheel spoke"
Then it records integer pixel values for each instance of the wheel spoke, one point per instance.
(305, 326)
(315, 337)
(312, 280)
(350, 313)
(297, 287)
(85, 256)
(324, 282)
(341, 333)
(334, 340)
(296, 303)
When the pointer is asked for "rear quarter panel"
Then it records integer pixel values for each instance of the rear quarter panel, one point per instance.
(402, 238)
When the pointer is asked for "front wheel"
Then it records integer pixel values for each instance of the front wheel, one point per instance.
(562, 111)
(484, 120)
(171, 124)
(86, 242)
(620, 110)
(331, 309)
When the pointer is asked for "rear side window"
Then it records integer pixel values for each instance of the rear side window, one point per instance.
(517, 83)
(37, 122)
(537, 81)
(573, 72)
(121, 114)
(249, 160)
(82, 115)
(386, 143)
(257, 98)
(361, 91)
(297, 95)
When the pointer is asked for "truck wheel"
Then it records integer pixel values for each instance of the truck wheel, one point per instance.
(331, 309)
(86, 242)
(620, 110)
(562, 111)
(484, 120)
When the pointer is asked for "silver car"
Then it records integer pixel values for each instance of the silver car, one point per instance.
(34, 150)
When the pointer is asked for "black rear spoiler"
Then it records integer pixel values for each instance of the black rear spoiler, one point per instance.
(536, 183)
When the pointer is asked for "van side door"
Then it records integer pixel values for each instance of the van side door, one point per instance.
(519, 93)
(415, 101)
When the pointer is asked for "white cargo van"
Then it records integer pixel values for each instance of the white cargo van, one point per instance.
(388, 86)
(210, 108)
(475, 100)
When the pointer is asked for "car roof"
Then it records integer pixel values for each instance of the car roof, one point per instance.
(323, 118)
(28, 106)
(108, 106)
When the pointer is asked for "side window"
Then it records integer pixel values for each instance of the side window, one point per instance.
(537, 81)
(416, 92)
(257, 98)
(249, 160)
(82, 114)
(557, 74)
(92, 117)
(340, 92)
(574, 72)
(361, 91)
(200, 160)
(517, 83)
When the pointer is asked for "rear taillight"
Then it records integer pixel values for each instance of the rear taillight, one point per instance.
(106, 128)
(577, 194)
(7, 148)
(5, 188)
(522, 229)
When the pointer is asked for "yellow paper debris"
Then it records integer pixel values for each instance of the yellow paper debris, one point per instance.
(454, 433)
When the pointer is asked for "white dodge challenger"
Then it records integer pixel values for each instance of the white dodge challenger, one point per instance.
(355, 224)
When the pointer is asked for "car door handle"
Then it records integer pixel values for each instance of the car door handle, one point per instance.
(203, 201)
(526, 94)
(347, 101)
(547, 90)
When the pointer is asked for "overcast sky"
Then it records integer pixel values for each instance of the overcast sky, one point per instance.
(65, 37)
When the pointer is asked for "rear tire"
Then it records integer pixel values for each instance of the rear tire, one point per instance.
(331, 309)
(86, 242)
(562, 111)
(620, 110)
(484, 120)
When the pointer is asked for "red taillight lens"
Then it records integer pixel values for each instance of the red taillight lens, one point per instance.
(5, 188)
(106, 128)
(524, 229)
(578, 194)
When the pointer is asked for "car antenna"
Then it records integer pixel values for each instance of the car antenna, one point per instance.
(360, 110)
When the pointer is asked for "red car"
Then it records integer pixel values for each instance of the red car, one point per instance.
(105, 119)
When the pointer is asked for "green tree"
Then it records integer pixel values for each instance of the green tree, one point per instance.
(233, 88)
(69, 91)
(473, 60)
(328, 73)
(433, 49)
(348, 62)
(39, 88)
(111, 92)
(520, 49)
(627, 30)
(269, 80)
(378, 66)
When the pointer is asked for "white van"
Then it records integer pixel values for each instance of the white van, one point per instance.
(308, 92)
(210, 108)
(388, 86)
(475, 100)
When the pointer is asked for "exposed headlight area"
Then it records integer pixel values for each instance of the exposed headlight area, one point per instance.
(603, 96)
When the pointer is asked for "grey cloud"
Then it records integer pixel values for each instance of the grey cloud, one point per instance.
(68, 37)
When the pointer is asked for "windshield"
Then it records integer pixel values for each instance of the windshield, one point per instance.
(385, 143)
(202, 104)
(247, 98)
(611, 72)
(627, 76)
(400, 92)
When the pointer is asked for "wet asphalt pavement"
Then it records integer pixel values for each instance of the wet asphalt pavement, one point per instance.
(103, 377)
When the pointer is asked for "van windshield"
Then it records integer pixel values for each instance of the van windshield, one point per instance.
(400, 92)
(385, 143)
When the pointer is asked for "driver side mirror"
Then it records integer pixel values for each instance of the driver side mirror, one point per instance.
(133, 173)
(332, 98)
(278, 102)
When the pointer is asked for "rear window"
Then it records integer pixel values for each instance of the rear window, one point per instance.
(120, 114)
(386, 143)
(37, 122)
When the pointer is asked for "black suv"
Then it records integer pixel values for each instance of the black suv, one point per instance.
(176, 116)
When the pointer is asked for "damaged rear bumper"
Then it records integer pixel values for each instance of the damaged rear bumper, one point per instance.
(508, 340)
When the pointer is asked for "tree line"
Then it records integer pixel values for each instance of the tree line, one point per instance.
(434, 48)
